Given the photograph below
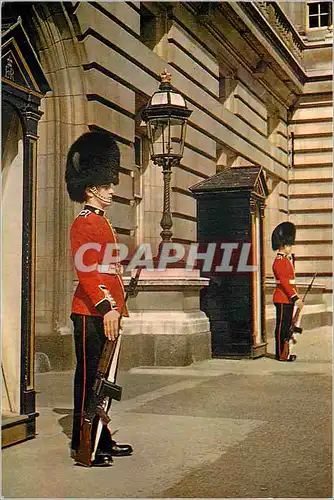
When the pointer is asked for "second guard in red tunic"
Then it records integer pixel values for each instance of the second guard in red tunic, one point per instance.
(285, 295)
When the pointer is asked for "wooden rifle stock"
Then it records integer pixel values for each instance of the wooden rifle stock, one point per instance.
(102, 387)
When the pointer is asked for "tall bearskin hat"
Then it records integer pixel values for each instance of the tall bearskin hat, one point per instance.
(283, 234)
(93, 160)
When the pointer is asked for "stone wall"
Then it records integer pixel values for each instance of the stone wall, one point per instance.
(311, 178)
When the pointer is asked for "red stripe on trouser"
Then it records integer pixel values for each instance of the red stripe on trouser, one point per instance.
(84, 374)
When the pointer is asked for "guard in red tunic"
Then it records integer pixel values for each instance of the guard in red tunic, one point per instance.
(92, 171)
(285, 295)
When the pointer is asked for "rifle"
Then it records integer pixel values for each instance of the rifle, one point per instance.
(295, 323)
(104, 387)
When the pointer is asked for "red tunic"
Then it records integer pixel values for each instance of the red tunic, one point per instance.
(97, 292)
(283, 269)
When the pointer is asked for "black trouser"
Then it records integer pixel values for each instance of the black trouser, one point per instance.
(284, 313)
(89, 340)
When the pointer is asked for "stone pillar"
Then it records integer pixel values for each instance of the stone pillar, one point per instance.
(166, 326)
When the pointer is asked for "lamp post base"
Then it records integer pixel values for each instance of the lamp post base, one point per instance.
(166, 326)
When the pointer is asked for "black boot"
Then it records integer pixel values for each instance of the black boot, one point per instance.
(102, 459)
(115, 449)
(111, 447)
(119, 450)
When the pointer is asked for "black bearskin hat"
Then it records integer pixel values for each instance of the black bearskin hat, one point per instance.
(283, 234)
(93, 160)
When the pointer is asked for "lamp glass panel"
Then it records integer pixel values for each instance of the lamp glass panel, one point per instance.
(159, 137)
(150, 138)
(183, 137)
(159, 98)
(176, 133)
(177, 100)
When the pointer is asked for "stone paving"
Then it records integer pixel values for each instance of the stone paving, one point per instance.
(216, 429)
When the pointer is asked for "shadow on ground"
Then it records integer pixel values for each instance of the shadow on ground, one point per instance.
(66, 421)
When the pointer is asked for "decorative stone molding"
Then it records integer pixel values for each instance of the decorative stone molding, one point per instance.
(279, 21)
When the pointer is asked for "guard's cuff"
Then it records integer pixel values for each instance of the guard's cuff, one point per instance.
(104, 306)
(294, 298)
(107, 304)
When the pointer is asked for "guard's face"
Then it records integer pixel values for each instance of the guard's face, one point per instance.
(106, 192)
(287, 249)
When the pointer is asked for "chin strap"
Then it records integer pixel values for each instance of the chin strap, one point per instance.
(99, 196)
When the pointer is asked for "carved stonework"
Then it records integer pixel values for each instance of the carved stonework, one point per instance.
(20, 63)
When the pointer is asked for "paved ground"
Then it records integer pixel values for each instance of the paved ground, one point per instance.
(217, 429)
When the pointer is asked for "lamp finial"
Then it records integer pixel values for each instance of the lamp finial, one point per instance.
(165, 76)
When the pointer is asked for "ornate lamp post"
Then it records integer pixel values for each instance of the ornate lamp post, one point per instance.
(174, 337)
(166, 116)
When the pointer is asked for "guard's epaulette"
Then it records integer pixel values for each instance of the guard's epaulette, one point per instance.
(84, 213)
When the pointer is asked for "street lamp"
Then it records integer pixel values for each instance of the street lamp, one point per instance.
(166, 116)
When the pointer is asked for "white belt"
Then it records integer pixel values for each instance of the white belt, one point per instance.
(110, 268)
(292, 282)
